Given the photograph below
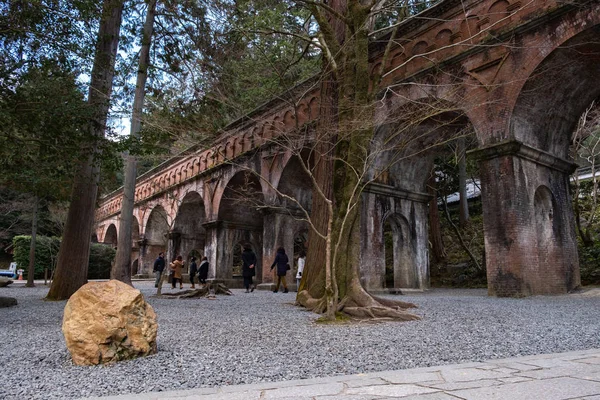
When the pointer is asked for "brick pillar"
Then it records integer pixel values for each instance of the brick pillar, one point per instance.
(411, 254)
(530, 242)
(210, 247)
(144, 263)
(372, 258)
(278, 231)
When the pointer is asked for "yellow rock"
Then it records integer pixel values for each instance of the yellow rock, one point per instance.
(109, 321)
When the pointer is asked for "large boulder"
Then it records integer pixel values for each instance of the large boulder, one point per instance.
(109, 321)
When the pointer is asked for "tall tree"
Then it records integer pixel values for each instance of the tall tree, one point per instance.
(41, 116)
(73, 258)
(121, 269)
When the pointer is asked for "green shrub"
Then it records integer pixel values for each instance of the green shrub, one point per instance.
(46, 251)
(589, 264)
(101, 258)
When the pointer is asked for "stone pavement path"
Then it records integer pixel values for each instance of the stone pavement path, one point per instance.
(562, 376)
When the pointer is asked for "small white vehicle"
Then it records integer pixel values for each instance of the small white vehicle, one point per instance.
(11, 272)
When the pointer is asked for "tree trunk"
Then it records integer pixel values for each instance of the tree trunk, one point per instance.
(73, 258)
(34, 223)
(435, 230)
(341, 176)
(462, 183)
(121, 269)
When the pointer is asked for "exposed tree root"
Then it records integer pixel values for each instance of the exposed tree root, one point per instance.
(394, 303)
(361, 305)
(209, 291)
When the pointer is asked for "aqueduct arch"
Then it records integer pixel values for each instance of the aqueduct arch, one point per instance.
(239, 222)
(546, 110)
(155, 236)
(188, 233)
(110, 237)
(521, 73)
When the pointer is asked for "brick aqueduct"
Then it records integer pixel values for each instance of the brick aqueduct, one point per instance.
(521, 72)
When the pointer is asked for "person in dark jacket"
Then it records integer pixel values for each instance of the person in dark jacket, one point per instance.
(248, 268)
(281, 261)
(193, 270)
(203, 271)
(159, 266)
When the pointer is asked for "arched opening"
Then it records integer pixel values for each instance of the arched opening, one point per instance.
(421, 160)
(198, 254)
(157, 229)
(134, 267)
(557, 93)
(404, 272)
(111, 236)
(135, 231)
(188, 226)
(296, 183)
(388, 240)
(547, 109)
(242, 223)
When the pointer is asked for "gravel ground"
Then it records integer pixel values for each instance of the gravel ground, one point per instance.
(248, 338)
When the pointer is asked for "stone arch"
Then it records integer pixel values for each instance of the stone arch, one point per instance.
(156, 233)
(302, 114)
(407, 142)
(289, 120)
(552, 99)
(135, 230)
(157, 227)
(498, 11)
(257, 134)
(189, 224)
(220, 153)
(405, 273)
(398, 61)
(230, 149)
(469, 27)
(419, 48)
(135, 266)
(295, 183)
(443, 38)
(248, 142)
(210, 159)
(241, 196)
(110, 237)
(241, 222)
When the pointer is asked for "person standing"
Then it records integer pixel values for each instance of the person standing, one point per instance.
(248, 268)
(159, 266)
(193, 270)
(176, 267)
(203, 271)
(301, 259)
(281, 261)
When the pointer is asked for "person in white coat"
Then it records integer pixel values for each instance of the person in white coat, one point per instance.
(301, 259)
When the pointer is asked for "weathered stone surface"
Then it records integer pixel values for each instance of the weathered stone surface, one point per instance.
(7, 302)
(108, 321)
(5, 282)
